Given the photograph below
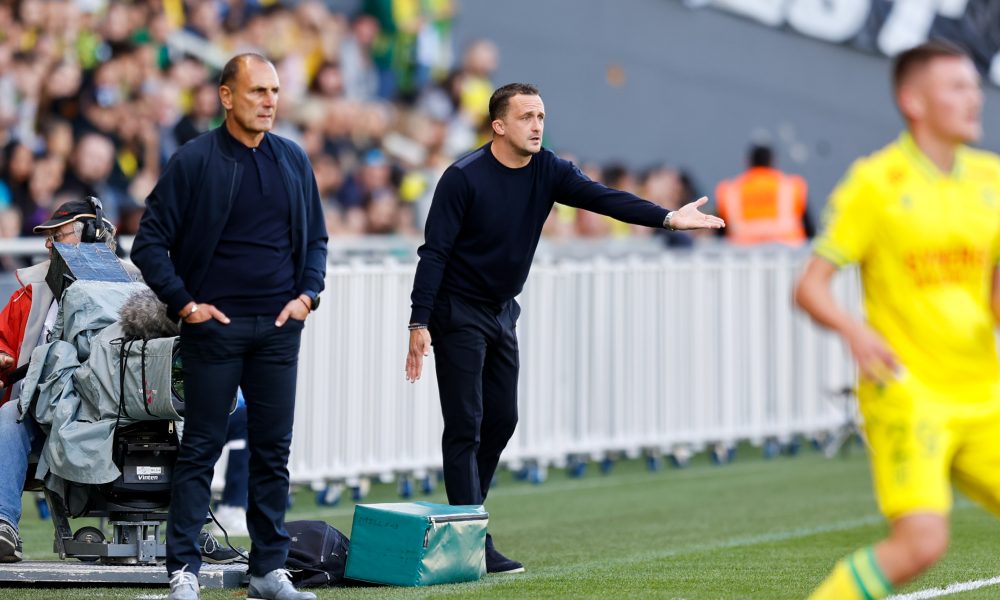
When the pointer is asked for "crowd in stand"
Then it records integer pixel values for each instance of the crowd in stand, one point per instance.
(95, 96)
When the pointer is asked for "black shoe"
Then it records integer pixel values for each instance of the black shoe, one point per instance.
(10, 543)
(214, 552)
(498, 563)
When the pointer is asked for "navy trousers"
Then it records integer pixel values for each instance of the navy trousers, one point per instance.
(476, 360)
(238, 465)
(253, 354)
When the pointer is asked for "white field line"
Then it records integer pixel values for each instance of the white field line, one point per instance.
(948, 590)
(738, 542)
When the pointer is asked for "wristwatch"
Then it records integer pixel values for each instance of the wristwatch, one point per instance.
(666, 220)
(315, 299)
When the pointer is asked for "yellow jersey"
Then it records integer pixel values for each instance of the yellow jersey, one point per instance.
(926, 243)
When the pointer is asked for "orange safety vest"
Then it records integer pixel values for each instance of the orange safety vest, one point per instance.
(763, 206)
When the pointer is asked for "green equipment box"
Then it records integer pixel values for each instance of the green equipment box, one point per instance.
(417, 543)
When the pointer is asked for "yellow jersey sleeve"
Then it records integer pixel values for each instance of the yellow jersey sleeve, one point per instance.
(849, 219)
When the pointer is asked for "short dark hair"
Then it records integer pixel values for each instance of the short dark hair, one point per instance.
(232, 68)
(907, 63)
(760, 155)
(500, 99)
(614, 174)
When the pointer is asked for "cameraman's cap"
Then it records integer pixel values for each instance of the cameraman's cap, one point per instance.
(68, 212)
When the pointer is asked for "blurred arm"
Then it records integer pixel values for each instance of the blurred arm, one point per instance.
(814, 295)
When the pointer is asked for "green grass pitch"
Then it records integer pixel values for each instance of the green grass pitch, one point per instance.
(754, 529)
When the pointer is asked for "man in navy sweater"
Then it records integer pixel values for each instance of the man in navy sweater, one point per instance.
(234, 242)
(481, 234)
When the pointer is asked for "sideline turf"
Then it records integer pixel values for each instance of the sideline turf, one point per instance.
(755, 529)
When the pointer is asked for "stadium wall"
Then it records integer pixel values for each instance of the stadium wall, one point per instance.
(647, 81)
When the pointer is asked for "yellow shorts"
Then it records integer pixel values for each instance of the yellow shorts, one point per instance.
(923, 439)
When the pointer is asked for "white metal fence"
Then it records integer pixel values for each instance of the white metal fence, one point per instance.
(617, 355)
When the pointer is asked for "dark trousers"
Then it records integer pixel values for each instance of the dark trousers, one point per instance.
(238, 465)
(476, 358)
(253, 354)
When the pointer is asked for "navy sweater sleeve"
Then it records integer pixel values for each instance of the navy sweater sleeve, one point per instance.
(157, 231)
(576, 189)
(444, 221)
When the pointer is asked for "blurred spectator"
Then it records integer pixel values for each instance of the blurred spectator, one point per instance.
(15, 171)
(394, 49)
(434, 52)
(479, 62)
(136, 169)
(205, 114)
(10, 216)
(60, 100)
(328, 82)
(205, 19)
(379, 197)
(46, 178)
(361, 78)
(427, 132)
(620, 177)
(342, 217)
(165, 114)
(590, 224)
(670, 188)
(764, 205)
(8, 83)
(561, 222)
(90, 169)
(58, 138)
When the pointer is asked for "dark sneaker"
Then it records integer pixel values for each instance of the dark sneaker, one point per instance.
(498, 563)
(214, 552)
(10, 543)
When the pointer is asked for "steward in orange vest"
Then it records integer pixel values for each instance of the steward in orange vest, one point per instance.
(764, 205)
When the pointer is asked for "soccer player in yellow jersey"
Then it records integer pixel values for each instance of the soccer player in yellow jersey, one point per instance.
(921, 217)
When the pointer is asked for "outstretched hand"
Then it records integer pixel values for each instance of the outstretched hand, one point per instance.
(689, 217)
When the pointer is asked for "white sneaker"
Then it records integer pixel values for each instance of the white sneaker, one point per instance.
(232, 518)
(276, 585)
(184, 585)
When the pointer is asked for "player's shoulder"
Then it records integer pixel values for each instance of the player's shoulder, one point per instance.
(886, 166)
(981, 165)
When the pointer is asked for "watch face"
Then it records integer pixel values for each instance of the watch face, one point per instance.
(316, 302)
